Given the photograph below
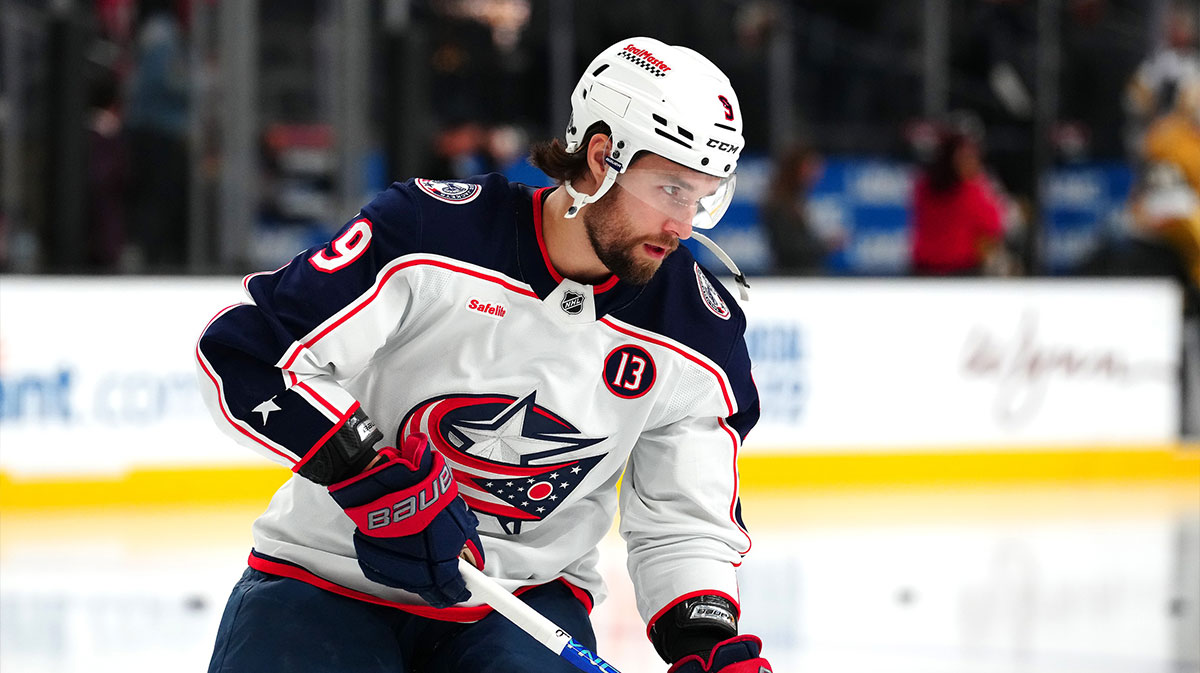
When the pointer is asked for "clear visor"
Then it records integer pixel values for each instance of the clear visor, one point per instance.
(680, 193)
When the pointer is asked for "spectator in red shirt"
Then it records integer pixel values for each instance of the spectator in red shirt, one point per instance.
(955, 214)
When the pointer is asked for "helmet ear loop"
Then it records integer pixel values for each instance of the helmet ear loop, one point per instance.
(579, 199)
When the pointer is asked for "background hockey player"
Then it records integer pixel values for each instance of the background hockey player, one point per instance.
(472, 366)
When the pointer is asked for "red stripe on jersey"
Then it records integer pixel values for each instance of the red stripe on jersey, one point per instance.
(289, 359)
(393, 271)
(541, 241)
(325, 438)
(580, 595)
(736, 481)
(732, 505)
(451, 614)
(246, 279)
(324, 402)
(664, 344)
(605, 286)
(537, 230)
(220, 392)
(733, 436)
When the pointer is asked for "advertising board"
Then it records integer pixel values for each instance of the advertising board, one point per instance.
(97, 376)
(885, 365)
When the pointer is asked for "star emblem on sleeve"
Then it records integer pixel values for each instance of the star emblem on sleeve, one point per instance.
(266, 408)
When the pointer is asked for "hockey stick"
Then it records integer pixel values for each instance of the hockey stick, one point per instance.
(532, 622)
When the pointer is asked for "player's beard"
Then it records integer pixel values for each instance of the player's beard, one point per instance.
(615, 242)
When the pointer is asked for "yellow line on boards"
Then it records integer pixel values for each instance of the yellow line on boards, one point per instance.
(182, 486)
(759, 471)
(787, 471)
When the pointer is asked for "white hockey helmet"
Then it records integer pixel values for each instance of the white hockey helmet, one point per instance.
(663, 99)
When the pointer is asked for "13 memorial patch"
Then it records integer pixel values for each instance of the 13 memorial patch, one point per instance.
(629, 371)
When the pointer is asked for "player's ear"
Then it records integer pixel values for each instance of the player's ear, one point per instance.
(598, 148)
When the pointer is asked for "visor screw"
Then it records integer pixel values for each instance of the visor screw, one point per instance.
(726, 166)
(620, 144)
(616, 155)
(704, 161)
(571, 130)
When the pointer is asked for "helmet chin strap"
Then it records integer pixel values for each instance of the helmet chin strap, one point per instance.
(580, 200)
(738, 276)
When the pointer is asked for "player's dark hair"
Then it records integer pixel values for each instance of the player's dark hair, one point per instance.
(552, 157)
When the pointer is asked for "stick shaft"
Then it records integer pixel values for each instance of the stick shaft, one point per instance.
(531, 621)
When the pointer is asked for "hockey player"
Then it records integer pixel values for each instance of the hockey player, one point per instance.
(471, 367)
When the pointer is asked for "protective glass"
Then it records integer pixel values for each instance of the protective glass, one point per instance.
(680, 193)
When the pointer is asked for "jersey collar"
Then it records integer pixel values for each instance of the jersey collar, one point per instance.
(536, 269)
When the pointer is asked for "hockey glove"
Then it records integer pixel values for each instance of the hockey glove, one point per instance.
(739, 654)
(411, 523)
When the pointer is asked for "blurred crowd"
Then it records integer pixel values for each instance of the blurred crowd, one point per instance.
(968, 212)
(1129, 89)
(137, 133)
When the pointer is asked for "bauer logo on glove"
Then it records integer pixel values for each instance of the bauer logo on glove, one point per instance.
(411, 524)
(407, 504)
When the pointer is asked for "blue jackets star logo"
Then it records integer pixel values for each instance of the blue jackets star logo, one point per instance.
(513, 459)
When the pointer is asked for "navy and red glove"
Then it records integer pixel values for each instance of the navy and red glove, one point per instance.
(411, 524)
(739, 654)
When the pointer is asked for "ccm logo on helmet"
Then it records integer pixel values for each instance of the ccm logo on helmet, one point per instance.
(409, 506)
(724, 147)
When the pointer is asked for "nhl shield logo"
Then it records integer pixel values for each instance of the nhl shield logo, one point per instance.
(449, 192)
(572, 302)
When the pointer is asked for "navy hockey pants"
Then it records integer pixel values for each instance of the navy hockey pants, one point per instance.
(284, 625)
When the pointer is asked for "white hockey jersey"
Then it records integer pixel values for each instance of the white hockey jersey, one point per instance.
(437, 310)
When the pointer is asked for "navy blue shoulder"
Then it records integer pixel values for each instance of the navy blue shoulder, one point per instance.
(472, 220)
(688, 304)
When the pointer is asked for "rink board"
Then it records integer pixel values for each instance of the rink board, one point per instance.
(948, 477)
(102, 371)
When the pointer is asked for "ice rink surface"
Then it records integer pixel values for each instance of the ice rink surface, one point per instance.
(1016, 579)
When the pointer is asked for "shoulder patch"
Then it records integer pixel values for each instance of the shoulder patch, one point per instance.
(450, 192)
(712, 299)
